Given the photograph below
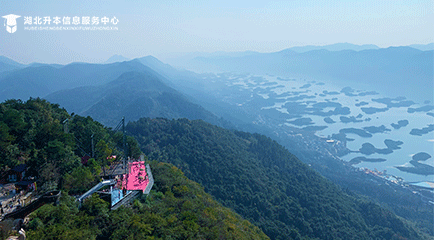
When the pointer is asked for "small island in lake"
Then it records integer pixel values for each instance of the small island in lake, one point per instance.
(421, 156)
(305, 86)
(368, 149)
(358, 160)
(314, 128)
(420, 132)
(349, 119)
(425, 108)
(329, 120)
(360, 132)
(361, 104)
(394, 102)
(373, 110)
(419, 168)
(374, 129)
(301, 121)
(400, 124)
(394, 145)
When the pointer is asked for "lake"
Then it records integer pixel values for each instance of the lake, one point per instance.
(366, 116)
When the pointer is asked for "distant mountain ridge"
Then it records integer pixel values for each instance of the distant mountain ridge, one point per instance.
(43, 79)
(106, 92)
(334, 47)
(423, 47)
(133, 94)
(7, 64)
(394, 71)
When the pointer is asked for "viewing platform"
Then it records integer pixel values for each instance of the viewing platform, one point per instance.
(124, 187)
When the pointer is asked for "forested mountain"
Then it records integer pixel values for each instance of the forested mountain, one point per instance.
(132, 95)
(39, 80)
(51, 143)
(106, 92)
(264, 183)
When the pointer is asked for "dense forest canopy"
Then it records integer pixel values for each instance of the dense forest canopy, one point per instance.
(55, 146)
(53, 143)
(263, 182)
(177, 208)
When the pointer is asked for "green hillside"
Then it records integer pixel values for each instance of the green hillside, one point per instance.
(51, 142)
(264, 183)
(177, 208)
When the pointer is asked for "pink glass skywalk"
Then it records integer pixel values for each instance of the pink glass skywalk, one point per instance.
(137, 179)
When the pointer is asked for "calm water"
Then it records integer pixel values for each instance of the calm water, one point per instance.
(401, 157)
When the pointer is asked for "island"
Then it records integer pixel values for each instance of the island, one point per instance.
(314, 128)
(367, 93)
(419, 168)
(358, 160)
(421, 156)
(394, 102)
(322, 105)
(325, 92)
(360, 132)
(329, 120)
(373, 110)
(305, 86)
(350, 92)
(374, 129)
(301, 121)
(425, 108)
(350, 119)
(361, 104)
(342, 137)
(420, 132)
(368, 149)
(300, 97)
(341, 111)
(400, 124)
(393, 145)
(285, 79)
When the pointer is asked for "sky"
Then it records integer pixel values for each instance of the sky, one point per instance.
(169, 28)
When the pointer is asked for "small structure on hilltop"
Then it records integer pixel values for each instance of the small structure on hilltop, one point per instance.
(15, 174)
(138, 179)
(125, 187)
(126, 178)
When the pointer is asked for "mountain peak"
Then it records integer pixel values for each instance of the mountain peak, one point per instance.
(7, 64)
(116, 58)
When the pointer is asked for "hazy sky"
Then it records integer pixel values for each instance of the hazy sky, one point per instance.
(164, 28)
